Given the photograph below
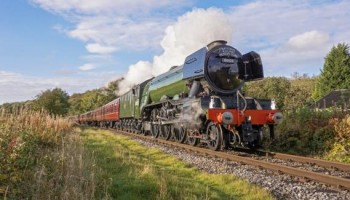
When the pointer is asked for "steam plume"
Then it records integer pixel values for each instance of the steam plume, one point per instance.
(190, 32)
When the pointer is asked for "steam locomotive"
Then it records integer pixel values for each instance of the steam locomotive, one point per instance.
(200, 101)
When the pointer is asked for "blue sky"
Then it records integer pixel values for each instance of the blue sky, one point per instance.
(83, 44)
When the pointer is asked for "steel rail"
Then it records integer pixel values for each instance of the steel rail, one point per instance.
(308, 175)
(323, 163)
(319, 162)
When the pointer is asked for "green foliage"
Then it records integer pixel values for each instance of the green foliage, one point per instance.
(299, 94)
(341, 147)
(75, 104)
(290, 94)
(335, 73)
(92, 99)
(307, 131)
(54, 101)
(340, 152)
(269, 88)
(16, 107)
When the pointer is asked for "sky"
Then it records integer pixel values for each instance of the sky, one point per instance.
(79, 45)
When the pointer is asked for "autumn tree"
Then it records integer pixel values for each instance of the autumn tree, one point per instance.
(335, 73)
(53, 101)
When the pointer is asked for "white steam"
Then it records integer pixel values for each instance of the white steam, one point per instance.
(137, 73)
(191, 32)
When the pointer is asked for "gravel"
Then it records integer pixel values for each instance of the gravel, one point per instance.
(282, 186)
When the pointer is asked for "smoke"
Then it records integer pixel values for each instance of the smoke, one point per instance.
(189, 33)
(190, 115)
(137, 73)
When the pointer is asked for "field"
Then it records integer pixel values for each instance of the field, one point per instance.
(44, 157)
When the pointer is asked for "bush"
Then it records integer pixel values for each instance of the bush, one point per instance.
(307, 132)
(340, 150)
(41, 157)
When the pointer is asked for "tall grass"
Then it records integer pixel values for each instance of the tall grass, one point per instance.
(42, 157)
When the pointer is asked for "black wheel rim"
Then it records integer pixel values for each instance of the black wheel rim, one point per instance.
(179, 133)
(214, 136)
(155, 130)
(192, 141)
(165, 132)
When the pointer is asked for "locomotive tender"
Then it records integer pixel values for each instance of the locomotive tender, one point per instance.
(198, 102)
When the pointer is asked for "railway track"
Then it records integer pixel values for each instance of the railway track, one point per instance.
(306, 175)
(301, 159)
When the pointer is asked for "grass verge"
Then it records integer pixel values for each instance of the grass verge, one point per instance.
(130, 170)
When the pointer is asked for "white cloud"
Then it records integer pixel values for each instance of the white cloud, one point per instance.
(87, 67)
(119, 32)
(105, 6)
(111, 25)
(301, 53)
(308, 41)
(98, 48)
(97, 58)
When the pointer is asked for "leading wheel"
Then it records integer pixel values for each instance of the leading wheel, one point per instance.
(214, 136)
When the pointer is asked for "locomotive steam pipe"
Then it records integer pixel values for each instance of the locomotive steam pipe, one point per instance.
(194, 89)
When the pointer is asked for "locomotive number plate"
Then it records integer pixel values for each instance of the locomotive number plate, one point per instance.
(228, 60)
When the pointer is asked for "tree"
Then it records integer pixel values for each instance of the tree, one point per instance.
(75, 104)
(299, 94)
(335, 73)
(16, 107)
(53, 101)
(269, 88)
(95, 98)
(89, 100)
